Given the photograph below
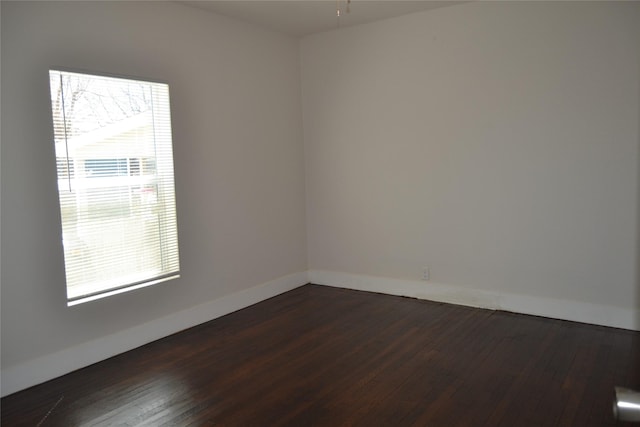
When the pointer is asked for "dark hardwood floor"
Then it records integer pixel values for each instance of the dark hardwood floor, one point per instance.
(320, 356)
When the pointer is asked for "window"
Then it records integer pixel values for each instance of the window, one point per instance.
(106, 167)
(115, 183)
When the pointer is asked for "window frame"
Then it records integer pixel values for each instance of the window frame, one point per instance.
(169, 208)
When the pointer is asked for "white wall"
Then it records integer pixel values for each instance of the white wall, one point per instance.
(235, 94)
(495, 142)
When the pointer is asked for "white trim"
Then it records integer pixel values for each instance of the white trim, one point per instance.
(584, 312)
(36, 371)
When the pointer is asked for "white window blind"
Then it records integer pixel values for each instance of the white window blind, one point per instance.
(115, 183)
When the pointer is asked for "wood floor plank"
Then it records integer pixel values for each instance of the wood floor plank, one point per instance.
(321, 356)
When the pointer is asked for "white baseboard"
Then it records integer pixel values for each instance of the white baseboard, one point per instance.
(596, 314)
(36, 371)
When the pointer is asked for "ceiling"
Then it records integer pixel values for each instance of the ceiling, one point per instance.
(303, 17)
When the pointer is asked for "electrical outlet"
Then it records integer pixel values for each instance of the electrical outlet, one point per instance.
(425, 273)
